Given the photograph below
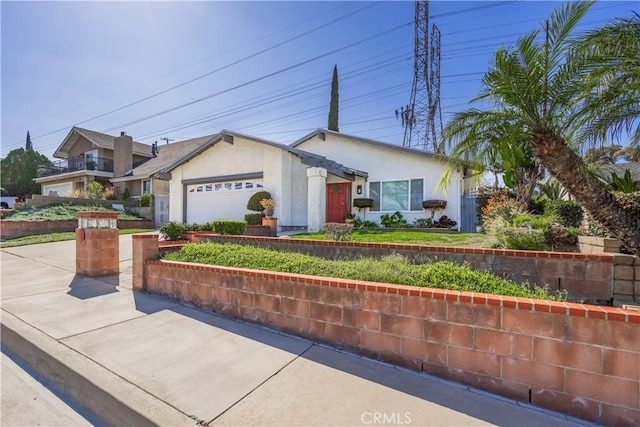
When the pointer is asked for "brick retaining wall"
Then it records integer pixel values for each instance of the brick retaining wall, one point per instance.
(587, 277)
(12, 229)
(578, 359)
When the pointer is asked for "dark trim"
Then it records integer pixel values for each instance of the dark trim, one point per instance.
(164, 176)
(184, 203)
(227, 138)
(224, 178)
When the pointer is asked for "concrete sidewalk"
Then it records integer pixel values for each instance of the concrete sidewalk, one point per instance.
(136, 359)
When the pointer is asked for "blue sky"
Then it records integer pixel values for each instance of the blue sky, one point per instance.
(267, 65)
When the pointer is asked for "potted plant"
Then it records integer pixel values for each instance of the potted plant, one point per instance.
(268, 206)
(91, 164)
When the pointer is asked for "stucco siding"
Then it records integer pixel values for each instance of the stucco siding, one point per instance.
(81, 146)
(279, 168)
(389, 164)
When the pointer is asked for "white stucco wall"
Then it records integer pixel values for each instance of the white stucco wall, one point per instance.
(389, 164)
(281, 173)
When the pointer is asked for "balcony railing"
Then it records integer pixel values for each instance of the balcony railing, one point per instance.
(78, 163)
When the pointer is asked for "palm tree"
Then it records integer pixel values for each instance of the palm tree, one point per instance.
(559, 93)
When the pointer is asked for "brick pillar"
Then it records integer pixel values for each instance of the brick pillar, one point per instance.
(97, 244)
(145, 247)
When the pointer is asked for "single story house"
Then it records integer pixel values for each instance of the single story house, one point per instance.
(312, 181)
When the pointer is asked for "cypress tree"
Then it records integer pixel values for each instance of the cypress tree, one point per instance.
(333, 105)
(29, 144)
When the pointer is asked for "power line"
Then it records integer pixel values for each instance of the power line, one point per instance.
(266, 76)
(246, 58)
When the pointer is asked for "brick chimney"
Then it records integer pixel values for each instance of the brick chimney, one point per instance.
(122, 154)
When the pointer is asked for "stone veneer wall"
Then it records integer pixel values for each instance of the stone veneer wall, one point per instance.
(578, 359)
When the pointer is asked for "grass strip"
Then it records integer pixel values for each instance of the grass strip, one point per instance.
(55, 237)
(390, 269)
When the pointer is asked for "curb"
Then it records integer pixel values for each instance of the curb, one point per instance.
(106, 396)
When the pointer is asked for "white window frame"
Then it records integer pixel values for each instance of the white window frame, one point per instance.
(150, 186)
(408, 201)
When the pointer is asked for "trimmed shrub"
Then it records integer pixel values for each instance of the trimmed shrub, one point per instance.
(172, 230)
(254, 201)
(396, 220)
(95, 190)
(568, 213)
(145, 200)
(126, 195)
(227, 226)
(338, 231)
(359, 223)
(253, 219)
(522, 239)
(423, 223)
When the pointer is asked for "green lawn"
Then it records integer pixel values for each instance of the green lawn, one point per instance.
(418, 237)
(54, 237)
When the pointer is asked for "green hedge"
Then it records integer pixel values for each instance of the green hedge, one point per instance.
(229, 227)
(253, 219)
(569, 213)
(390, 269)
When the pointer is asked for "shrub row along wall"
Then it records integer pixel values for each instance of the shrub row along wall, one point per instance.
(12, 229)
(577, 359)
(587, 277)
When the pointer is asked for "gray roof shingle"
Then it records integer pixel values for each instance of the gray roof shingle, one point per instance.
(168, 154)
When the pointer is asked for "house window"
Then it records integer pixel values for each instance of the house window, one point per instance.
(417, 194)
(405, 195)
(146, 186)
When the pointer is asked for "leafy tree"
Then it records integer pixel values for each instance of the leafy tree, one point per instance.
(563, 93)
(18, 170)
(333, 105)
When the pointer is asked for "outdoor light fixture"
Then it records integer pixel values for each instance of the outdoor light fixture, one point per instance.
(359, 189)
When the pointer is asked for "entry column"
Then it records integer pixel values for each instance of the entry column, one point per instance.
(316, 199)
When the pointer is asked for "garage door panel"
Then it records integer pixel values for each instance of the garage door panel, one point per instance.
(221, 200)
(57, 189)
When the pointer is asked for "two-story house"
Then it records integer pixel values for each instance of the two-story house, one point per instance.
(87, 156)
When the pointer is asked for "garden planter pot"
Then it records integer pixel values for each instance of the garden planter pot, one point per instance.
(272, 223)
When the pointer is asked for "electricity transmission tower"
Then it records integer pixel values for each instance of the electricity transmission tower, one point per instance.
(422, 117)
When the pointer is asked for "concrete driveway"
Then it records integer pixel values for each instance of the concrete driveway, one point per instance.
(134, 359)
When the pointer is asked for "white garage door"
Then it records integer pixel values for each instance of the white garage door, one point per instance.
(220, 200)
(57, 189)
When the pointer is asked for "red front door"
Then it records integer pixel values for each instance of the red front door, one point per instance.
(338, 201)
